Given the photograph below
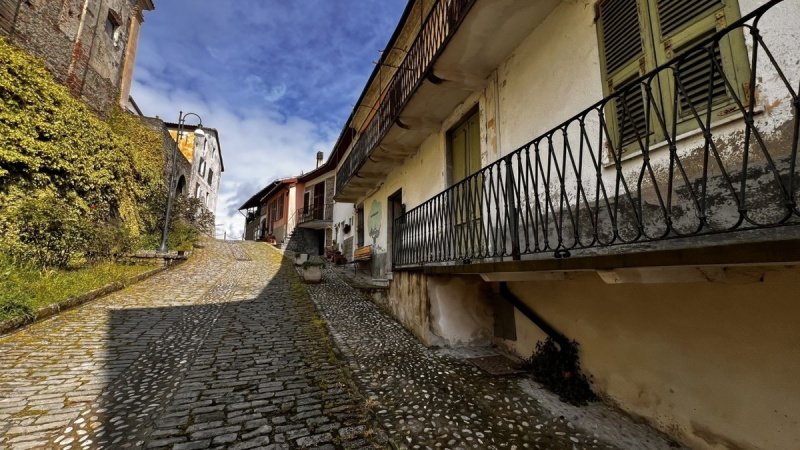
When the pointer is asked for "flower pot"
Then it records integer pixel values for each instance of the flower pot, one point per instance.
(312, 274)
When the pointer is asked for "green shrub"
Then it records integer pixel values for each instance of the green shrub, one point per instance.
(45, 228)
(557, 367)
(71, 183)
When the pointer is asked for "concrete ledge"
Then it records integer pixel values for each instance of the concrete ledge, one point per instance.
(741, 248)
(16, 323)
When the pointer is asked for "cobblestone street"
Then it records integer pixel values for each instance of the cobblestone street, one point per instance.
(223, 351)
(228, 351)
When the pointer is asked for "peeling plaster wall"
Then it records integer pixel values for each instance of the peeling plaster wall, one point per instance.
(441, 310)
(554, 74)
(407, 301)
(460, 311)
(714, 364)
(343, 214)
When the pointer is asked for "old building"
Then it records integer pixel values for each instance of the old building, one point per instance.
(89, 45)
(622, 172)
(270, 213)
(254, 210)
(308, 226)
(204, 156)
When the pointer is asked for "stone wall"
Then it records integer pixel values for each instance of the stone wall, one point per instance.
(82, 42)
(183, 167)
(303, 240)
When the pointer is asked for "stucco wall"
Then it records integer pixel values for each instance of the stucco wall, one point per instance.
(343, 215)
(460, 311)
(208, 150)
(714, 364)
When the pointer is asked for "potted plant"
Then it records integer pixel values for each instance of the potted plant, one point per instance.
(311, 271)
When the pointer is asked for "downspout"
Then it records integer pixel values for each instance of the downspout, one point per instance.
(76, 42)
(533, 316)
(91, 50)
(14, 21)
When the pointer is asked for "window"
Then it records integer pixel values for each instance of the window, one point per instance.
(464, 160)
(197, 190)
(360, 226)
(201, 167)
(464, 145)
(277, 208)
(112, 26)
(636, 36)
(210, 177)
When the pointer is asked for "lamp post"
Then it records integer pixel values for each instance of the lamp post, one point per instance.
(199, 134)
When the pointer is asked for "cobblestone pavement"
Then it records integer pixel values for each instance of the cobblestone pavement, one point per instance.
(224, 351)
(432, 399)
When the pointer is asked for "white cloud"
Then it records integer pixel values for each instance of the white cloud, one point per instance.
(277, 79)
(257, 145)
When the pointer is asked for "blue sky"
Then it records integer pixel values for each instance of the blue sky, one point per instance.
(276, 78)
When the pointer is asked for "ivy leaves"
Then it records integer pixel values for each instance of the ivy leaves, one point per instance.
(67, 170)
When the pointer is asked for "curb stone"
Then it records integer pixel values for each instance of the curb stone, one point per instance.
(16, 323)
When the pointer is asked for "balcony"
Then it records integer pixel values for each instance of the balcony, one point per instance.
(582, 196)
(315, 216)
(456, 49)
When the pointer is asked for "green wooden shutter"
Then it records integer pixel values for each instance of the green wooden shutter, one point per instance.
(623, 59)
(682, 25)
(620, 36)
(698, 85)
(675, 15)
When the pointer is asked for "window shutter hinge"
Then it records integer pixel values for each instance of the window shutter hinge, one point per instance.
(642, 65)
(746, 91)
(721, 22)
(668, 48)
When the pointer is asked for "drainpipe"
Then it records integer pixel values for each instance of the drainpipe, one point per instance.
(533, 316)
(76, 42)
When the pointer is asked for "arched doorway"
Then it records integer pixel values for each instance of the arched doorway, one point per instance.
(181, 185)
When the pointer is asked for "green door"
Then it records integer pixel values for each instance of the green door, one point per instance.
(464, 143)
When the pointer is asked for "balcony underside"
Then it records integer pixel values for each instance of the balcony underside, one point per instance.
(315, 224)
(780, 245)
(462, 68)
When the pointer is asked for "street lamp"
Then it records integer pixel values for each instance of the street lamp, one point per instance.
(199, 134)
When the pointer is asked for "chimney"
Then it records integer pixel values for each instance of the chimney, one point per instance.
(319, 159)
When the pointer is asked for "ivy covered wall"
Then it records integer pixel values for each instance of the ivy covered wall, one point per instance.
(71, 183)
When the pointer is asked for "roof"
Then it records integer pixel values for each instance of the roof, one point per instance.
(268, 190)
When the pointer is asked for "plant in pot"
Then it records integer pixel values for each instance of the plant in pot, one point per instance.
(312, 271)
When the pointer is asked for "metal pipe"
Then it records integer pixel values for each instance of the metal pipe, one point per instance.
(532, 315)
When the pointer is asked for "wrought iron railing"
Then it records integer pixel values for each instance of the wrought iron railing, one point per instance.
(439, 25)
(322, 211)
(580, 186)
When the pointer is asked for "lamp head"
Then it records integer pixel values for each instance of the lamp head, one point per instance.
(199, 133)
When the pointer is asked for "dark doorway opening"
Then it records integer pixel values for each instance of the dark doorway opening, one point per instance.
(396, 209)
